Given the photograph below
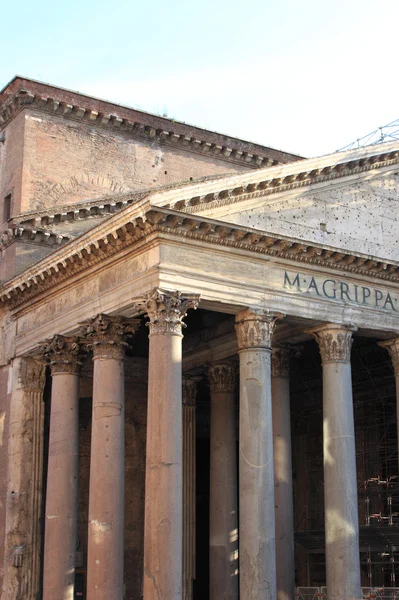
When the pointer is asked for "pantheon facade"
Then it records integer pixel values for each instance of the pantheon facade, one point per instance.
(200, 339)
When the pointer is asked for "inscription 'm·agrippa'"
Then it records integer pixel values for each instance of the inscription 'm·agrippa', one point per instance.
(335, 289)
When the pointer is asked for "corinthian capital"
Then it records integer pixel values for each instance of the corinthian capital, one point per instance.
(393, 348)
(281, 362)
(106, 335)
(63, 354)
(335, 342)
(166, 310)
(222, 377)
(255, 330)
(189, 392)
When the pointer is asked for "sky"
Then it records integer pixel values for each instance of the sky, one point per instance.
(307, 77)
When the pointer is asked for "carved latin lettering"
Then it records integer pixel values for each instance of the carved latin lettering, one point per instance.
(388, 300)
(331, 289)
(366, 294)
(344, 291)
(313, 286)
(290, 284)
(341, 290)
(378, 296)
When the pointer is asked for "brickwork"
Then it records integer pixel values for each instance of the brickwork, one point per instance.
(58, 148)
(11, 163)
(66, 162)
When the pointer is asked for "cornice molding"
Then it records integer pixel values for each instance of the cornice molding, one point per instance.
(271, 185)
(24, 98)
(129, 227)
(38, 236)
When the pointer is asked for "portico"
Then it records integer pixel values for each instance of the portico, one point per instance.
(257, 295)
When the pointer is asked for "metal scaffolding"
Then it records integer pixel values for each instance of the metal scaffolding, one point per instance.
(374, 398)
(386, 133)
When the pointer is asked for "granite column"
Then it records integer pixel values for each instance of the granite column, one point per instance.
(283, 493)
(62, 472)
(256, 492)
(340, 483)
(105, 335)
(223, 534)
(163, 529)
(189, 485)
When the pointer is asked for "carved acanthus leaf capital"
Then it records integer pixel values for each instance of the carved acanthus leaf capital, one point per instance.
(281, 362)
(31, 375)
(166, 310)
(335, 342)
(189, 392)
(393, 348)
(222, 377)
(63, 354)
(106, 335)
(255, 329)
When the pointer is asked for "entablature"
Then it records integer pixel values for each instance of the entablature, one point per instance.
(134, 225)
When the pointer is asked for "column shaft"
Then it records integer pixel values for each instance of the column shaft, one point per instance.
(340, 483)
(62, 471)
(163, 493)
(189, 487)
(105, 564)
(107, 482)
(223, 535)
(257, 515)
(62, 489)
(163, 527)
(283, 493)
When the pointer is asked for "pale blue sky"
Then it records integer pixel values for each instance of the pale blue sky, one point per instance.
(306, 76)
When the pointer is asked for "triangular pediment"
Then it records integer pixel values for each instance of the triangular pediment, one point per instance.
(360, 216)
(347, 200)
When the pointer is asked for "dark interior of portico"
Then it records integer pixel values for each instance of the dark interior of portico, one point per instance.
(376, 453)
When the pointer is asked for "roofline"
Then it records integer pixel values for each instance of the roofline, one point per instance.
(222, 190)
(144, 112)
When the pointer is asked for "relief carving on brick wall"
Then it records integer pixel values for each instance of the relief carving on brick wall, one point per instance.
(82, 185)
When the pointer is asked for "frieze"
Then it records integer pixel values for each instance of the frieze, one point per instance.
(93, 247)
(330, 288)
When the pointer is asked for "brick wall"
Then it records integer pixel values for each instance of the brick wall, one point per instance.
(11, 161)
(67, 161)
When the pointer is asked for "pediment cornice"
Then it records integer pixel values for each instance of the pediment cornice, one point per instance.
(279, 179)
(135, 224)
